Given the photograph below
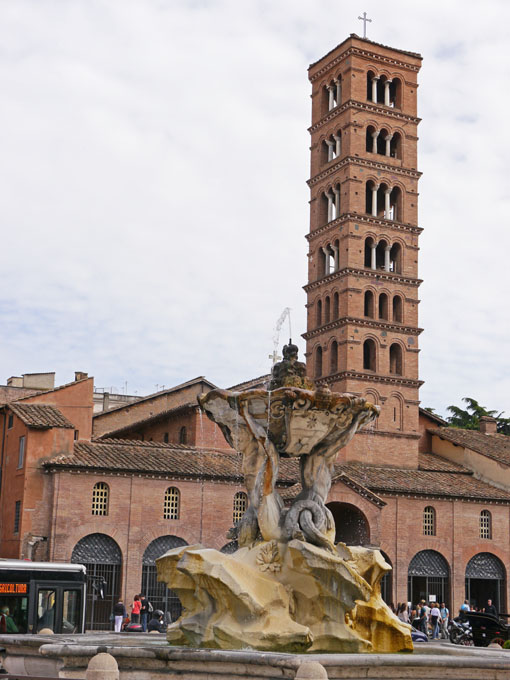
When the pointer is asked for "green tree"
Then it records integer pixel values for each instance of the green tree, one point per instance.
(469, 418)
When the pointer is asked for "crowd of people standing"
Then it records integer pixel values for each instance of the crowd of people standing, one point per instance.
(433, 618)
(141, 611)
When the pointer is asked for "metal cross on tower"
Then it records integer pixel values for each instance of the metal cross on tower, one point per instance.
(364, 20)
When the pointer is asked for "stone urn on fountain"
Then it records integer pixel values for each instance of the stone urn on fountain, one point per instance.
(288, 587)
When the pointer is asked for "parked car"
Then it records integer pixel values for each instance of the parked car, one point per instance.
(488, 628)
(417, 635)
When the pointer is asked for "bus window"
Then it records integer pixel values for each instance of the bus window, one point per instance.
(13, 614)
(45, 609)
(71, 613)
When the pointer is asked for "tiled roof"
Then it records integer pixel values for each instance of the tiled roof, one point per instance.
(262, 381)
(422, 482)
(40, 416)
(432, 416)
(177, 460)
(435, 463)
(156, 417)
(371, 42)
(155, 395)
(495, 446)
(166, 459)
(291, 492)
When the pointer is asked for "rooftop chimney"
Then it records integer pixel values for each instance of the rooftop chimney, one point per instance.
(79, 375)
(488, 425)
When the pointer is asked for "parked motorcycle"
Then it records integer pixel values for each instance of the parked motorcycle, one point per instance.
(460, 632)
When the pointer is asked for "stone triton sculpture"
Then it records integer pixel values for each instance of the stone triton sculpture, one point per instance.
(288, 587)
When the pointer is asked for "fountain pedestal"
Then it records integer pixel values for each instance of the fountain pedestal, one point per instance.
(282, 597)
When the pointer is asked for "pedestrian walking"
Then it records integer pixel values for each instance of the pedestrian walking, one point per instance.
(119, 614)
(423, 617)
(435, 615)
(145, 610)
(445, 617)
(491, 609)
(402, 613)
(135, 610)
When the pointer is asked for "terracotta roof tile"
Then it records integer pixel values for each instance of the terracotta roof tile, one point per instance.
(291, 492)
(435, 463)
(154, 418)
(261, 382)
(370, 42)
(495, 446)
(40, 416)
(178, 460)
(155, 395)
(422, 482)
(156, 458)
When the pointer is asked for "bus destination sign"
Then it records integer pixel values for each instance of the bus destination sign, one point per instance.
(13, 588)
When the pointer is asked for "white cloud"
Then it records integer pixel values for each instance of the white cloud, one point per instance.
(153, 165)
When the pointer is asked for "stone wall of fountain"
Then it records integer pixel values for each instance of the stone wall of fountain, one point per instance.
(288, 587)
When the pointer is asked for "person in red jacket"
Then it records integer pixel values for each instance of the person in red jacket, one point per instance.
(135, 609)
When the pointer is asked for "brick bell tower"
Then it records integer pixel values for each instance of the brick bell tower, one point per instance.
(362, 291)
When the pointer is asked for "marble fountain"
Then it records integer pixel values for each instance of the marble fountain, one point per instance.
(288, 587)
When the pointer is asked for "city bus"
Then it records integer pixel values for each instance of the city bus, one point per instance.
(41, 595)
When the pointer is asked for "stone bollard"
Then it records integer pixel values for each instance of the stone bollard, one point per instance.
(102, 667)
(311, 670)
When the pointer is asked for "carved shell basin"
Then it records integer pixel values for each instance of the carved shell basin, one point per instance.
(294, 419)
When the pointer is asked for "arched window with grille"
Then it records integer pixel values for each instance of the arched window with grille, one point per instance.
(100, 498)
(102, 558)
(157, 592)
(239, 507)
(485, 524)
(429, 521)
(172, 504)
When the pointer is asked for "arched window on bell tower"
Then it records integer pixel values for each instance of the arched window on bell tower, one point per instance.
(327, 309)
(383, 306)
(369, 304)
(336, 306)
(333, 364)
(397, 308)
(396, 258)
(318, 362)
(396, 359)
(369, 355)
(319, 313)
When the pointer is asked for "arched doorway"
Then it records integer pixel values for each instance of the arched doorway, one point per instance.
(157, 593)
(428, 578)
(351, 524)
(486, 579)
(102, 558)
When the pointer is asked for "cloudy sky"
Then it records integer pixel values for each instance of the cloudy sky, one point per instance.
(153, 159)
